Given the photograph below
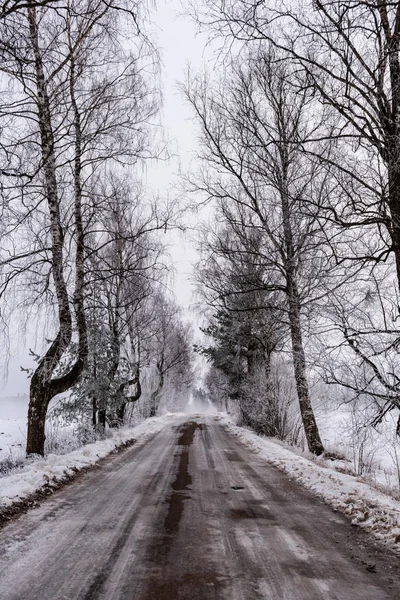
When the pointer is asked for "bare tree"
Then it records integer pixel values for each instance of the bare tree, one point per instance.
(171, 355)
(71, 109)
(350, 53)
(126, 260)
(253, 133)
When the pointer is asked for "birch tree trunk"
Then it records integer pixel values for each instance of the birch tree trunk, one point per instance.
(299, 359)
(300, 371)
(43, 387)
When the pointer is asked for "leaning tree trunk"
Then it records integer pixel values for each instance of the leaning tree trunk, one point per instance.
(43, 387)
(38, 405)
(299, 360)
(134, 381)
(40, 394)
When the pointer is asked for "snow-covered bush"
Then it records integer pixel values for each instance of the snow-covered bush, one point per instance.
(267, 402)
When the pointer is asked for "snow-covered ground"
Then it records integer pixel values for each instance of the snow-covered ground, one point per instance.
(337, 482)
(13, 418)
(54, 468)
(352, 495)
(60, 434)
(371, 452)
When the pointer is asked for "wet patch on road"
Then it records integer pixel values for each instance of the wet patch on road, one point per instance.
(249, 512)
(187, 433)
(183, 479)
(203, 585)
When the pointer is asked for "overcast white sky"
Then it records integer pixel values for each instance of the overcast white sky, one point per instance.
(179, 46)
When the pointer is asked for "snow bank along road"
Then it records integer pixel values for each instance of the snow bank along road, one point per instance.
(190, 514)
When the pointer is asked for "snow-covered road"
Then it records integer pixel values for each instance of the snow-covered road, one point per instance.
(191, 513)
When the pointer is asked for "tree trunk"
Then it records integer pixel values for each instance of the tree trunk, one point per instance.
(299, 362)
(43, 388)
(121, 413)
(394, 205)
(40, 394)
(102, 417)
(94, 399)
(136, 395)
(94, 411)
(392, 131)
(37, 411)
(154, 400)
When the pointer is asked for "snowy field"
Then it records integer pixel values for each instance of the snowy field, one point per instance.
(371, 452)
(13, 416)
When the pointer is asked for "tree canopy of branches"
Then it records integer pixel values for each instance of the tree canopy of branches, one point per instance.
(347, 54)
(253, 131)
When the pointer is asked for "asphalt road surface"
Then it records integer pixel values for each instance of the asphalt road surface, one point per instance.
(190, 514)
